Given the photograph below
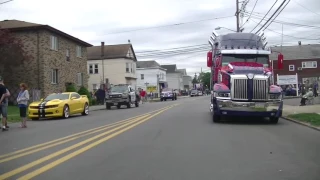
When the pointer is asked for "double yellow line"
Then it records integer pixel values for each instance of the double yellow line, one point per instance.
(120, 127)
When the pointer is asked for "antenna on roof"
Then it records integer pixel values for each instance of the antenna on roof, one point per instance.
(129, 41)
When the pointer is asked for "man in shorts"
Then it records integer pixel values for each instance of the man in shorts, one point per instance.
(3, 104)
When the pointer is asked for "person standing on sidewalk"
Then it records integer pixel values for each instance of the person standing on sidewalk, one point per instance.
(22, 100)
(3, 105)
(142, 95)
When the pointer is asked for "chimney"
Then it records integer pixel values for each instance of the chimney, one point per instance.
(102, 49)
(299, 42)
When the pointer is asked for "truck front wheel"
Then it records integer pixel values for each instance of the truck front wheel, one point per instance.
(216, 118)
(108, 106)
(274, 120)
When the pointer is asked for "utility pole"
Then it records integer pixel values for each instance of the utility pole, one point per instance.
(237, 15)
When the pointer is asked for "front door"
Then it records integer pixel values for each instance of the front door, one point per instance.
(76, 104)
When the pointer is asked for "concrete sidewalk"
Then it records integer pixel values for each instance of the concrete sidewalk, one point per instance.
(287, 109)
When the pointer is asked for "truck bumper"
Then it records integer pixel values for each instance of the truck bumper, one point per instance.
(234, 108)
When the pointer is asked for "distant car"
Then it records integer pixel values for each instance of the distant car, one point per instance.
(168, 95)
(59, 105)
(194, 93)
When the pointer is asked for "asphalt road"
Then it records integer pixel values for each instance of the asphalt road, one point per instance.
(179, 142)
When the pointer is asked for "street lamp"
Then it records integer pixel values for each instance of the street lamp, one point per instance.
(218, 28)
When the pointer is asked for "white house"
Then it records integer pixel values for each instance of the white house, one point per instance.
(150, 73)
(174, 77)
(111, 64)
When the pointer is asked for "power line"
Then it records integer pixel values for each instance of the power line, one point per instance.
(286, 23)
(271, 16)
(306, 8)
(251, 12)
(172, 54)
(6, 2)
(288, 35)
(264, 15)
(277, 14)
(181, 47)
(173, 51)
(176, 24)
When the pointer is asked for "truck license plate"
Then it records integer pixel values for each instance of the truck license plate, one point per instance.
(260, 105)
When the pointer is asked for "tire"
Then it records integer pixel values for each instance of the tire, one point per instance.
(118, 106)
(165, 99)
(108, 106)
(128, 105)
(137, 103)
(161, 99)
(216, 118)
(85, 110)
(274, 120)
(66, 112)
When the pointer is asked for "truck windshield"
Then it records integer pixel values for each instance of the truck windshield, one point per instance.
(119, 89)
(262, 59)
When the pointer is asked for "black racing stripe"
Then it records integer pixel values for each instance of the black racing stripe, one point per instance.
(42, 109)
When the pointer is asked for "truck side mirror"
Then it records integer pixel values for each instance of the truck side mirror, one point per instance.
(209, 59)
(280, 61)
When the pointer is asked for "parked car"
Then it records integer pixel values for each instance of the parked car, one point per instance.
(194, 92)
(59, 105)
(168, 95)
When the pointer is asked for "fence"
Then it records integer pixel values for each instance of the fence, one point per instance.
(35, 95)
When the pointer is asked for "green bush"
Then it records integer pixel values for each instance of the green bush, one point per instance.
(84, 91)
(71, 88)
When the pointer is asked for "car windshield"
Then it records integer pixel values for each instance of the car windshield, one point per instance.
(262, 59)
(119, 89)
(57, 96)
(194, 91)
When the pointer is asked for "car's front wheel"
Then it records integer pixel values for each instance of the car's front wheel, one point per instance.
(274, 120)
(85, 110)
(66, 112)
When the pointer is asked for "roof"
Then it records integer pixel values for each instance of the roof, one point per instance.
(182, 71)
(311, 51)
(110, 52)
(147, 64)
(16, 25)
(171, 68)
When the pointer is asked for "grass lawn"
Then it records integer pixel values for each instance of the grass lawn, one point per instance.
(311, 118)
(13, 114)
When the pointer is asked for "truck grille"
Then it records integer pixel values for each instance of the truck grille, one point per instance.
(240, 89)
(260, 89)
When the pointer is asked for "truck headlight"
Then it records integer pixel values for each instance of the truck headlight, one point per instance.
(222, 94)
(275, 96)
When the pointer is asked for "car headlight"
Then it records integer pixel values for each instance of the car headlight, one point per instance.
(222, 94)
(275, 96)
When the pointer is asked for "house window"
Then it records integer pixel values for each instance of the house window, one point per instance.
(54, 43)
(79, 51)
(131, 67)
(291, 67)
(127, 67)
(80, 79)
(309, 64)
(94, 86)
(67, 55)
(93, 69)
(142, 76)
(54, 76)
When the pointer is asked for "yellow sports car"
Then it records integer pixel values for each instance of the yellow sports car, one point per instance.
(59, 105)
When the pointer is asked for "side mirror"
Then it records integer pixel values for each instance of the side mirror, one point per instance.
(209, 59)
(72, 98)
(280, 61)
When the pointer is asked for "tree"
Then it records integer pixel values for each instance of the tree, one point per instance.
(195, 80)
(12, 52)
(205, 79)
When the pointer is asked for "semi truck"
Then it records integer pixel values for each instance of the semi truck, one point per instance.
(242, 78)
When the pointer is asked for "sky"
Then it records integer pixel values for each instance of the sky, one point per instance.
(154, 27)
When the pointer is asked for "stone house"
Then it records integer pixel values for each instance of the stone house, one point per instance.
(56, 59)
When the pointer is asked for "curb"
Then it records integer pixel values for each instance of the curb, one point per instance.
(301, 123)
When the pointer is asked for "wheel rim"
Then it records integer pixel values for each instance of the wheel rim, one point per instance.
(66, 112)
(86, 109)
